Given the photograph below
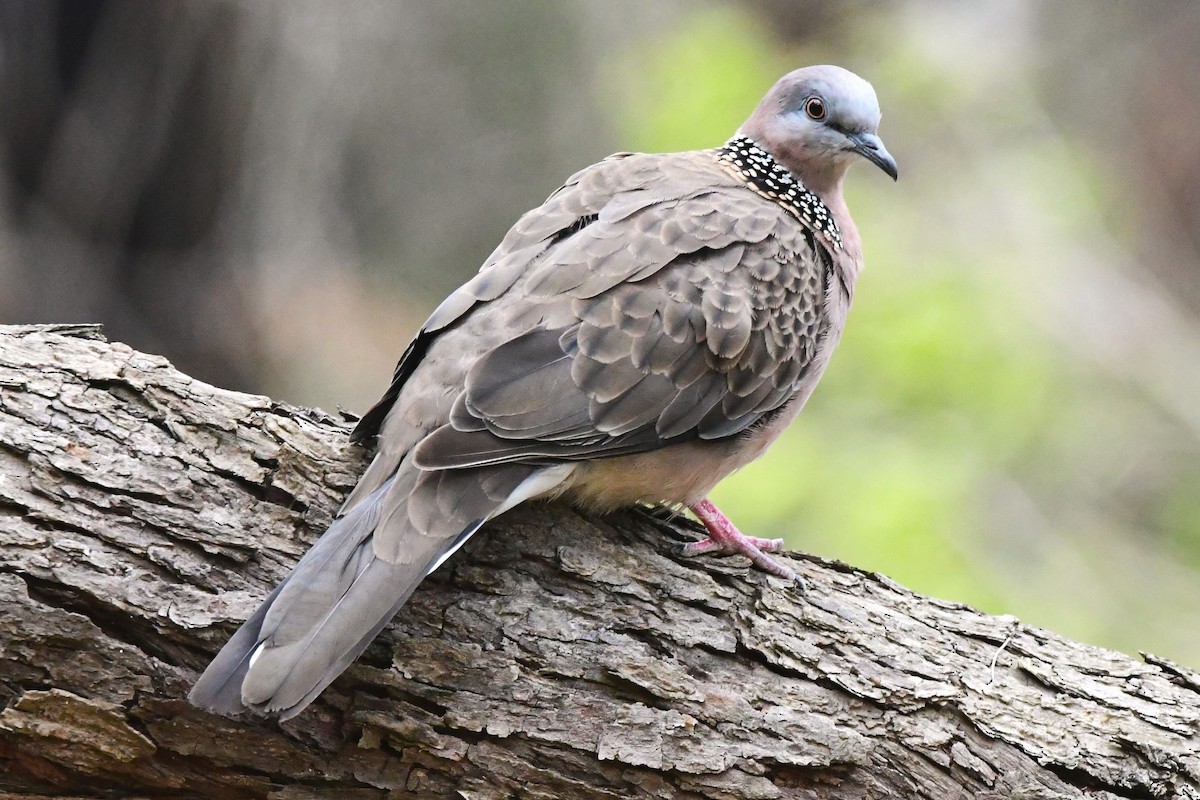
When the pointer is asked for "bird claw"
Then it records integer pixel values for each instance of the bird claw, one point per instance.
(730, 547)
(750, 547)
(725, 539)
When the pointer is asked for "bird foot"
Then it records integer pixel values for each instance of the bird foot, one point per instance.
(726, 539)
(732, 546)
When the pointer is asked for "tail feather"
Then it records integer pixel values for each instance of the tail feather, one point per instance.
(315, 623)
(285, 679)
(353, 581)
(220, 687)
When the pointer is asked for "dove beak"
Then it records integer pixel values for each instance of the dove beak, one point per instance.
(870, 147)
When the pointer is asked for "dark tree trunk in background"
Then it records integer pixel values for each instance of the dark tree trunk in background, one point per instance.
(200, 175)
(143, 514)
(119, 152)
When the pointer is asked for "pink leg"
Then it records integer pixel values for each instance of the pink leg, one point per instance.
(724, 538)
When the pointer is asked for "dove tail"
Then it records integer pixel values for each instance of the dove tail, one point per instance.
(342, 593)
(220, 687)
(319, 619)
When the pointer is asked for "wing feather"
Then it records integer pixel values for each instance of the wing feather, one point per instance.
(650, 300)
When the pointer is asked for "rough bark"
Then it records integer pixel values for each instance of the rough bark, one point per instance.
(143, 514)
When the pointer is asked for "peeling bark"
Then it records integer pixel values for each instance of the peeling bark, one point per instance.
(144, 514)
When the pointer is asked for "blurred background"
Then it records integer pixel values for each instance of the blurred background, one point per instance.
(275, 194)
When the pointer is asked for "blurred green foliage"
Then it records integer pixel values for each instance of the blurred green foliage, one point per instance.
(956, 443)
(693, 88)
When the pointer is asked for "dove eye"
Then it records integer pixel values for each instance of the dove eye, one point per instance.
(815, 108)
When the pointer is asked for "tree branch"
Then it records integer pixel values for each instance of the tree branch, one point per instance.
(144, 514)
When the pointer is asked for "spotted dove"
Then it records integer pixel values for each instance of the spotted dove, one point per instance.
(651, 327)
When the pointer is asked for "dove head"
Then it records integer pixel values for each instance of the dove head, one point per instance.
(816, 122)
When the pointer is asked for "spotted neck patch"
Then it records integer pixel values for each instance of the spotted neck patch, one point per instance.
(767, 177)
